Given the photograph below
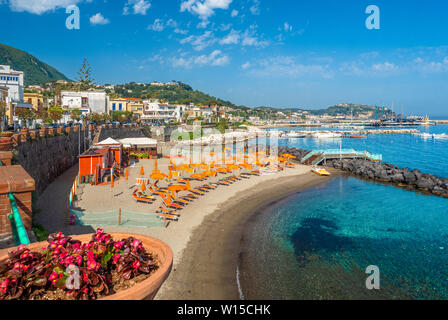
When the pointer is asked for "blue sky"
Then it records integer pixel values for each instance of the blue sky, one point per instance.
(289, 53)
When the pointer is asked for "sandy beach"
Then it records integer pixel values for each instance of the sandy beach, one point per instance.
(206, 238)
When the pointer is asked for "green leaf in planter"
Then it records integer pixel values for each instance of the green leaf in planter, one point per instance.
(106, 259)
(61, 283)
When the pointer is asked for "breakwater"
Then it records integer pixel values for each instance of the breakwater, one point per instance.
(383, 172)
(311, 133)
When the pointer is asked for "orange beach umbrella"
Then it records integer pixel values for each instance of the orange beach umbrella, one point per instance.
(158, 176)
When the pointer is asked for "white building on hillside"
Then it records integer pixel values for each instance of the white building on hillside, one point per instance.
(153, 111)
(13, 80)
(87, 101)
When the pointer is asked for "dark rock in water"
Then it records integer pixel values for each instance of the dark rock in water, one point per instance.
(409, 177)
(399, 178)
(424, 183)
(417, 173)
(382, 171)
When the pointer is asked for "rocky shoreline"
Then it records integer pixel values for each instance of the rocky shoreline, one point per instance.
(383, 172)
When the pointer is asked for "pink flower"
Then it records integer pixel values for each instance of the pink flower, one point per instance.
(4, 285)
(25, 254)
(78, 260)
(59, 235)
(92, 265)
(54, 277)
(116, 257)
(85, 277)
(118, 244)
(53, 245)
(136, 264)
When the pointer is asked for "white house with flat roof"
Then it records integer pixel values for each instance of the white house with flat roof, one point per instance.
(154, 111)
(13, 80)
(93, 101)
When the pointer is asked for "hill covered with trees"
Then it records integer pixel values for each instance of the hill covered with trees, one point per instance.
(36, 71)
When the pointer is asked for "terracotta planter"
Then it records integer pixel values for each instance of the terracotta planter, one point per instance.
(59, 130)
(145, 290)
(43, 132)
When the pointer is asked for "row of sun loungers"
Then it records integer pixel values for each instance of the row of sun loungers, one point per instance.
(171, 206)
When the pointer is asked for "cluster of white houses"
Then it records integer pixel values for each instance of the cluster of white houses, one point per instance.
(151, 110)
(97, 101)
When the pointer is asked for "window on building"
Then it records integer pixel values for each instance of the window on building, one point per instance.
(113, 106)
(84, 101)
(119, 106)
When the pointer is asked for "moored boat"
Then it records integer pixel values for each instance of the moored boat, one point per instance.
(320, 171)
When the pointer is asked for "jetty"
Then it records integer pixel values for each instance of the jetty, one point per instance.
(348, 133)
(316, 157)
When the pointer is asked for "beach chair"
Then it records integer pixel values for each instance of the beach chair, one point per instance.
(166, 201)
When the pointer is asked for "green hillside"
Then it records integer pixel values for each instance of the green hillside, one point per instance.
(36, 71)
(179, 92)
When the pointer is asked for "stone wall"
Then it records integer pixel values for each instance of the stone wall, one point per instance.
(122, 133)
(47, 153)
(48, 156)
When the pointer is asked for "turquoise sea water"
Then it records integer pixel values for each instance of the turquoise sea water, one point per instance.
(317, 243)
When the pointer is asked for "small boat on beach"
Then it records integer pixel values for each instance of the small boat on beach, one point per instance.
(320, 171)
(357, 137)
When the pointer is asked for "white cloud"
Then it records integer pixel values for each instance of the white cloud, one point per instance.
(98, 19)
(157, 26)
(255, 8)
(216, 58)
(234, 13)
(232, 38)
(286, 66)
(287, 27)
(39, 7)
(160, 25)
(200, 42)
(249, 38)
(245, 66)
(180, 31)
(384, 67)
(138, 7)
(204, 8)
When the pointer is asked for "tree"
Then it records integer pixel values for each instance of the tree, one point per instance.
(85, 80)
(75, 114)
(42, 113)
(222, 125)
(55, 113)
(25, 114)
